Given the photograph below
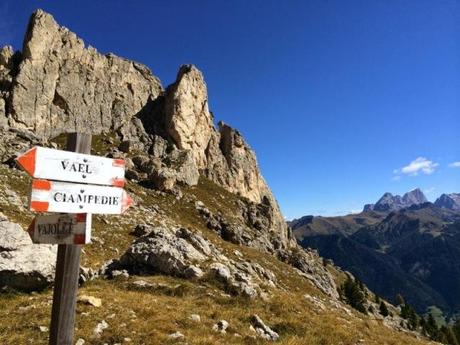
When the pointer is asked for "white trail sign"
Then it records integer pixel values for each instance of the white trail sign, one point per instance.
(50, 164)
(51, 196)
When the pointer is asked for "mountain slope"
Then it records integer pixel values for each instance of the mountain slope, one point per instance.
(412, 251)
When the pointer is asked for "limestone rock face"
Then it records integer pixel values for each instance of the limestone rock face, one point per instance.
(23, 265)
(221, 154)
(7, 59)
(61, 86)
(57, 85)
(233, 164)
(188, 120)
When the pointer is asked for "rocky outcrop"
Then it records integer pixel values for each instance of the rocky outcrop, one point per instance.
(189, 255)
(188, 120)
(162, 251)
(62, 86)
(23, 265)
(8, 61)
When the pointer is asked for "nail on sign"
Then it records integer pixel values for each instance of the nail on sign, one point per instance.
(51, 196)
(61, 229)
(44, 163)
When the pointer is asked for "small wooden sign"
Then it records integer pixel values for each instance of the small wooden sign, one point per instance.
(51, 196)
(61, 229)
(50, 164)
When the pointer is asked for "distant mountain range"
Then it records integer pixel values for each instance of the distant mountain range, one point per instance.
(390, 202)
(403, 245)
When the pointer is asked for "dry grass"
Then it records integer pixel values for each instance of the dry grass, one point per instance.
(149, 316)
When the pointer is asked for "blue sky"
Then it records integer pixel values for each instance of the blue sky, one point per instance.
(341, 100)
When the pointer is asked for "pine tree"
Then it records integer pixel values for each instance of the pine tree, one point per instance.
(350, 291)
(383, 309)
(456, 330)
(413, 319)
(423, 325)
(447, 336)
(399, 300)
(431, 327)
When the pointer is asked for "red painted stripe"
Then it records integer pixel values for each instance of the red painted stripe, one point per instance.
(118, 163)
(79, 239)
(81, 217)
(41, 184)
(126, 202)
(118, 182)
(27, 161)
(39, 206)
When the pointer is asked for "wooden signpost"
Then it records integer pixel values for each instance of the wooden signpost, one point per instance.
(90, 184)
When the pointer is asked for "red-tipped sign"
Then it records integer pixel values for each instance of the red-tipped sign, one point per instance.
(51, 196)
(61, 229)
(50, 164)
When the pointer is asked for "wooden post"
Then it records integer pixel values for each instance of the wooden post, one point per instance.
(67, 270)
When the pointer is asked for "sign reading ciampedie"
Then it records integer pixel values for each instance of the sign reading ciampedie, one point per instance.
(52, 196)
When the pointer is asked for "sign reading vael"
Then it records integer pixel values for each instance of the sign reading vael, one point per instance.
(61, 229)
(50, 164)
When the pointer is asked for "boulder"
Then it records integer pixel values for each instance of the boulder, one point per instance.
(161, 251)
(263, 330)
(220, 327)
(163, 179)
(24, 265)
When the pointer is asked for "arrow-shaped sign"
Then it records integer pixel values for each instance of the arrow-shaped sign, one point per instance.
(50, 164)
(61, 229)
(51, 196)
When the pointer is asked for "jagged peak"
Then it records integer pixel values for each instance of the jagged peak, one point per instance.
(390, 202)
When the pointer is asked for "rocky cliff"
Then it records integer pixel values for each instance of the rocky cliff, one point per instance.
(56, 85)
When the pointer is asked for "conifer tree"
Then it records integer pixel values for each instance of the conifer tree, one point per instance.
(383, 309)
(350, 291)
(399, 300)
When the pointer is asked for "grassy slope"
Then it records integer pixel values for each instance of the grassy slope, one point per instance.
(147, 317)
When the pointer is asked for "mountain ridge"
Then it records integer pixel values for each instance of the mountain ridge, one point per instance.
(411, 250)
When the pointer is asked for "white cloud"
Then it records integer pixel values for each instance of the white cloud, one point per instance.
(355, 211)
(419, 165)
(455, 165)
(429, 190)
(396, 178)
